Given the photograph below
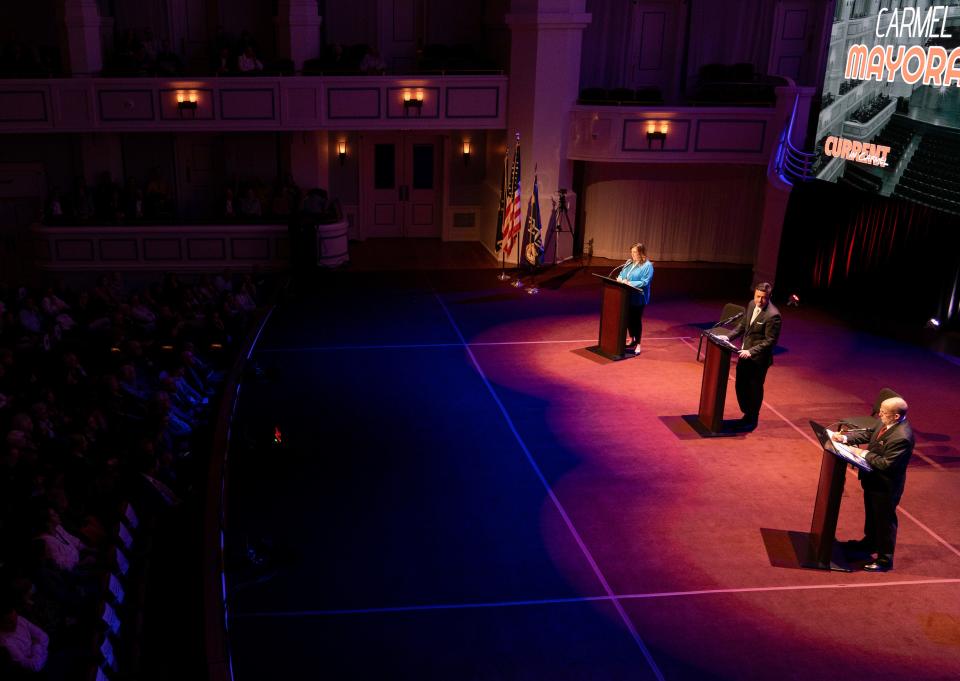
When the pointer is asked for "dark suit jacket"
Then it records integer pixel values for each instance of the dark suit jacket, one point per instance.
(761, 336)
(888, 455)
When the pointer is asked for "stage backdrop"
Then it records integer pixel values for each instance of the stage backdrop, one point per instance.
(893, 262)
(681, 212)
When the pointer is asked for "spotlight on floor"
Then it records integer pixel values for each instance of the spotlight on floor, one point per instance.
(793, 300)
(932, 323)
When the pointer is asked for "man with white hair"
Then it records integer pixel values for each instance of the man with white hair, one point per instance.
(889, 446)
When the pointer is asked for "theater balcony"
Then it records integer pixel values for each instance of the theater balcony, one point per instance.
(685, 134)
(254, 103)
(180, 247)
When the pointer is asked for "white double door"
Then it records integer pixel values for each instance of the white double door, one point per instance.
(400, 182)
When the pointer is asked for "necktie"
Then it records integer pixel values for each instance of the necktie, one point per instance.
(756, 313)
(881, 432)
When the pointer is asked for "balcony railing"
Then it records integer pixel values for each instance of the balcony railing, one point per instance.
(252, 103)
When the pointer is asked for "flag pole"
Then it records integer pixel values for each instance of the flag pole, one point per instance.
(503, 276)
(532, 289)
(518, 282)
(536, 233)
(515, 199)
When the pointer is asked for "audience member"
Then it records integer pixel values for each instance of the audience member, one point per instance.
(153, 201)
(69, 453)
(250, 204)
(55, 205)
(18, 60)
(334, 59)
(157, 194)
(82, 205)
(372, 63)
(247, 62)
(168, 62)
(132, 199)
(24, 642)
(315, 203)
(224, 62)
(149, 44)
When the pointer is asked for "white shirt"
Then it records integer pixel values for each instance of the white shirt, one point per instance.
(26, 644)
(756, 313)
(62, 548)
(53, 306)
(245, 63)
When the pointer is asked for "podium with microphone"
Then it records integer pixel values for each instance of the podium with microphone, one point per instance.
(614, 307)
(713, 386)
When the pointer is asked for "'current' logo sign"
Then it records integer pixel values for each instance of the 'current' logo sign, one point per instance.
(861, 152)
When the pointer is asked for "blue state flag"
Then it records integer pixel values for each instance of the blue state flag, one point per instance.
(533, 251)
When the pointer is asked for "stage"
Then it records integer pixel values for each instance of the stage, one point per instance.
(460, 491)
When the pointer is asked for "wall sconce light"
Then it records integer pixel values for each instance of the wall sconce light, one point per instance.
(657, 131)
(466, 152)
(342, 151)
(412, 100)
(186, 101)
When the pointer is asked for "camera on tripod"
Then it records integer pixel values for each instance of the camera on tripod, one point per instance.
(561, 223)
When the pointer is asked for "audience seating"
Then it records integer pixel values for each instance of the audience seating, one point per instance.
(867, 110)
(104, 403)
(860, 177)
(848, 85)
(896, 135)
(932, 178)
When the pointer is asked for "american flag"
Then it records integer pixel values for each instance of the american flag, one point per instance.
(501, 209)
(512, 218)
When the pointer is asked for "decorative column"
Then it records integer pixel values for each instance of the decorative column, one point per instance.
(310, 157)
(546, 38)
(80, 24)
(298, 30)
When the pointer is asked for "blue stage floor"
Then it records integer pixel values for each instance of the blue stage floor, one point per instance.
(462, 494)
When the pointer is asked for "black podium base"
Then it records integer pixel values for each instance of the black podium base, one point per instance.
(838, 560)
(595, 349)
(726, 427)
(792, 549)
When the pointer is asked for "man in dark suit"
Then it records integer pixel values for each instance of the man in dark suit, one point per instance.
(760, 328)
(889, 446)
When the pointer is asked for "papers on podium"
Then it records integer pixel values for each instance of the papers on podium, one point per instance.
(721, 340)
(851, 454)
(846, 452)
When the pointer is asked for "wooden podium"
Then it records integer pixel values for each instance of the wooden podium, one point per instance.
(713, 387)
(614, 304)
(826, 508)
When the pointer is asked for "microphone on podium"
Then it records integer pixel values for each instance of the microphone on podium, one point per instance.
(618, 267)
(728, 320)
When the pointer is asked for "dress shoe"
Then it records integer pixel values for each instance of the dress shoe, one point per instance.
(745, 424)
(878, 566)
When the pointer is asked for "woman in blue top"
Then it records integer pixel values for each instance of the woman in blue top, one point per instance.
(637, 272)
